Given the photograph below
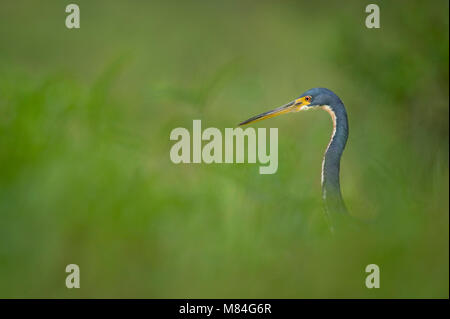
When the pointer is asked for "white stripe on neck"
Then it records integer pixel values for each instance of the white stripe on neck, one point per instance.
(333, 118)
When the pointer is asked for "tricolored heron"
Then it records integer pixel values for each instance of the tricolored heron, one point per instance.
(321, 98)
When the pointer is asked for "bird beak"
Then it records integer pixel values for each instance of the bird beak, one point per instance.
(294, 106)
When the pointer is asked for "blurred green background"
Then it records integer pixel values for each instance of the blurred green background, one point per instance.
(86, 178)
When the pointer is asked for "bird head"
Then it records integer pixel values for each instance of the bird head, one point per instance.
(313, 98)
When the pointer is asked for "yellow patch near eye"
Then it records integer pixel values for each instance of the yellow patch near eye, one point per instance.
(299, 101)
(306, 100)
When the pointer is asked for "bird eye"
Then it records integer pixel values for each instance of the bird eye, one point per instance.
(307, 98)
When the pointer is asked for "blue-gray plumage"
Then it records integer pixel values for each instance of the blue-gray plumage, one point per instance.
(329, 101)
(331, 189)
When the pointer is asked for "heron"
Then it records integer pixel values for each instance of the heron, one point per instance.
(325, 99)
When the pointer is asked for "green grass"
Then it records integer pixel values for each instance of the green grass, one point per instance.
(86, 178)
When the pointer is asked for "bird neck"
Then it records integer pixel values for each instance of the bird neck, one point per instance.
(331, 190)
